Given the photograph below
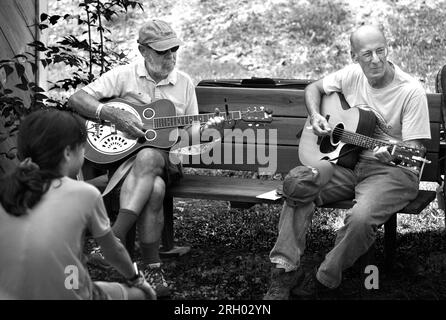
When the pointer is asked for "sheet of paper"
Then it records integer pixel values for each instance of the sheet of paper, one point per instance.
(270, 195)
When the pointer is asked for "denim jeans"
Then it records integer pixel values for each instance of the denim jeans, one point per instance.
(378, 190)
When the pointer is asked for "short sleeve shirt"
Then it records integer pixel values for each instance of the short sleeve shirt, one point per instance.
(41, 253)
(133, 83)
(400, 108)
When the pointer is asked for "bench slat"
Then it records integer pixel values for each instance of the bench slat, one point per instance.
(287, 129)
(284, 102)
(287, 159)
(246, 190)
(223, 188)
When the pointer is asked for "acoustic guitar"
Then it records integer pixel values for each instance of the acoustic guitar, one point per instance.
(351, 131)
(106, 144)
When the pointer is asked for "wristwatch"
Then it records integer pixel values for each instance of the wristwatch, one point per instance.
(137, 279)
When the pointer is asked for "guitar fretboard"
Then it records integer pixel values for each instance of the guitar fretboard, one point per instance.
(179, 121)
(359, 139)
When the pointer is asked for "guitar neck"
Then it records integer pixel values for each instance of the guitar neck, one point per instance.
(359, 139)
(180, 121)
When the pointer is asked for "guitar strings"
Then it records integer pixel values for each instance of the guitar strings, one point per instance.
(357, 138)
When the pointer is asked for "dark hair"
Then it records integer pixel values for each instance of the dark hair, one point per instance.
(43, 136)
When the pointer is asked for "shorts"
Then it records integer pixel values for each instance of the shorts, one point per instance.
(117, 172)
(109, 291)
(172, 172)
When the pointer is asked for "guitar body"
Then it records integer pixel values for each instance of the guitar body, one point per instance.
(107, 145)
(313, 148)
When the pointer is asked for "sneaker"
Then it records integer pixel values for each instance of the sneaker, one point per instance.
(310, 286)
(281, 283)
(154, 275)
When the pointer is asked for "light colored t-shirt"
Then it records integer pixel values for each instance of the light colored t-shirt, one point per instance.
(133, 83)
(40, 250)
(401, 107)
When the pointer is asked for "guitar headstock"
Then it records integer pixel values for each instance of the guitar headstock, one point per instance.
(408, 156)
(257, 114)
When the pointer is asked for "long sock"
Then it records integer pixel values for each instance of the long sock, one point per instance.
(150, 252)
(125, 220)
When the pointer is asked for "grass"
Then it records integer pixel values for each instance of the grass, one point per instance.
(229, 253)
(230, 247)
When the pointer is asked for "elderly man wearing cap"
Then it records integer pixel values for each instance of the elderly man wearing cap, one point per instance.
(378, 187)
(142, 178)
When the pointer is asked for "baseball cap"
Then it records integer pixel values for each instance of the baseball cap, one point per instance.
(158, 35)
(300, 185)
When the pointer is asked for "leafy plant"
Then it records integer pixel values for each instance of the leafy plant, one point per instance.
(86, 56)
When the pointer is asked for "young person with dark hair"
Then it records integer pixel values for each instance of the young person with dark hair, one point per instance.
(44, 214)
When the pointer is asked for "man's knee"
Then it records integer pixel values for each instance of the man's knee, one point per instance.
(149, 161)
(157, 196)
(301, 186)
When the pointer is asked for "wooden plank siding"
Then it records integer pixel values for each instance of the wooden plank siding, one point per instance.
(18, 27)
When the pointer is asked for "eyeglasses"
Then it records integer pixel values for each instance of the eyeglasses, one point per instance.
(162, 53)
(367, 56)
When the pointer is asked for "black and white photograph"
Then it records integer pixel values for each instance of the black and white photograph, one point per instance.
(232, 158)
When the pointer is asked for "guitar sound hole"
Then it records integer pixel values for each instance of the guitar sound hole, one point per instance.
(326, 146)
(337, 133)
(150, 135)
(148, 113)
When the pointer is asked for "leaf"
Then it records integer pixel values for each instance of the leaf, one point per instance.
(38, 89)
(33, 67)
(42, 26)
(24, 80)
(39, 46)
(8, 69)
(43, 17)
(22, 86)
(40, 97)
(20, 69)
(54, 18)
(58, 58)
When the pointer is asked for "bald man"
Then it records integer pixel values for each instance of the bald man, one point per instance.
(378, 187)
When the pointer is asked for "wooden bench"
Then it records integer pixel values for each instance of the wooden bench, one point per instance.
(286, 99)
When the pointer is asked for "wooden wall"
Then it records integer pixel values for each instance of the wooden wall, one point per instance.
(17, 28)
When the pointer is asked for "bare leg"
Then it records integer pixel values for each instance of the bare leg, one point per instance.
(150, 224)
(137, 189)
